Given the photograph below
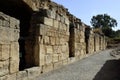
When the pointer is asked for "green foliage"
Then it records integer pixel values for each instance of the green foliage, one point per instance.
(104, 22)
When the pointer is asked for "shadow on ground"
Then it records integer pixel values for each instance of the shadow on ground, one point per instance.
(109, 71)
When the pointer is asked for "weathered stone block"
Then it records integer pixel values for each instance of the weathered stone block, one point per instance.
(4, 51)
(4, 68)
(55, 24)
(46, 40)
(14, 35)
(14, 57)
(67, 21)
(55, 57)
(5, 34)
(49, 49)
(53, 14)
(52, 40)
(62, 19)
(48, 58)
(14, 66)
(47, 21)
(58, 17)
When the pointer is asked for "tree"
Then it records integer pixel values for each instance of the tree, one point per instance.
(105, 23)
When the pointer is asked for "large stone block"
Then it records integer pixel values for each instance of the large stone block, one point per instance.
(55, 24)
(55, 57)
(5, 34)
(4, 68)
(52, 40)
(46, 40)
(48, 58)
(14, 66)
(67, 21)
(46, 21)
(14, 35)
(14, 57)
(4, 51)
(49, 49)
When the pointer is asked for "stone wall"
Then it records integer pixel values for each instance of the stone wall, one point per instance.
(52, 36)
(55, 38)
(9, 47)
(77, 45)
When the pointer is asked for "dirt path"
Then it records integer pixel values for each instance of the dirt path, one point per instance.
(100, 66)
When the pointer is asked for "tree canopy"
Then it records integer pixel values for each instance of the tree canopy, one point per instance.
(105, 23)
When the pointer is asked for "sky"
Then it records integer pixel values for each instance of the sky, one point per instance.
(85, 9)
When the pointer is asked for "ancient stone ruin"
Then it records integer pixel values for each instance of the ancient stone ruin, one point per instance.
(37, 36)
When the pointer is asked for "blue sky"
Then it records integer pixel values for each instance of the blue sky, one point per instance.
(85, 9)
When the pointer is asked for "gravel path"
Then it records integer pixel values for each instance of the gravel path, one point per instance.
(92, 68)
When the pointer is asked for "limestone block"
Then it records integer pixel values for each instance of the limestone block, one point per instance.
(47, 21)
(14, 57)
(47, 68)
(14, 35)
(58, 17)
(22, 75)
(39, 54)
(48, 58)
(55, 24)
(64, 48)
(53, 14)
(42, 55)
(5, 34)
(4, 68)
(4, 51)
(56, 49)
(52, 40)
(11, 77)
(33, 72)
(57, 41)
(67, 21)
(41, 29)
(49, 49)
(62, 19)
(55, 57)
(57, 64)
(14, 66)
(46, 40)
